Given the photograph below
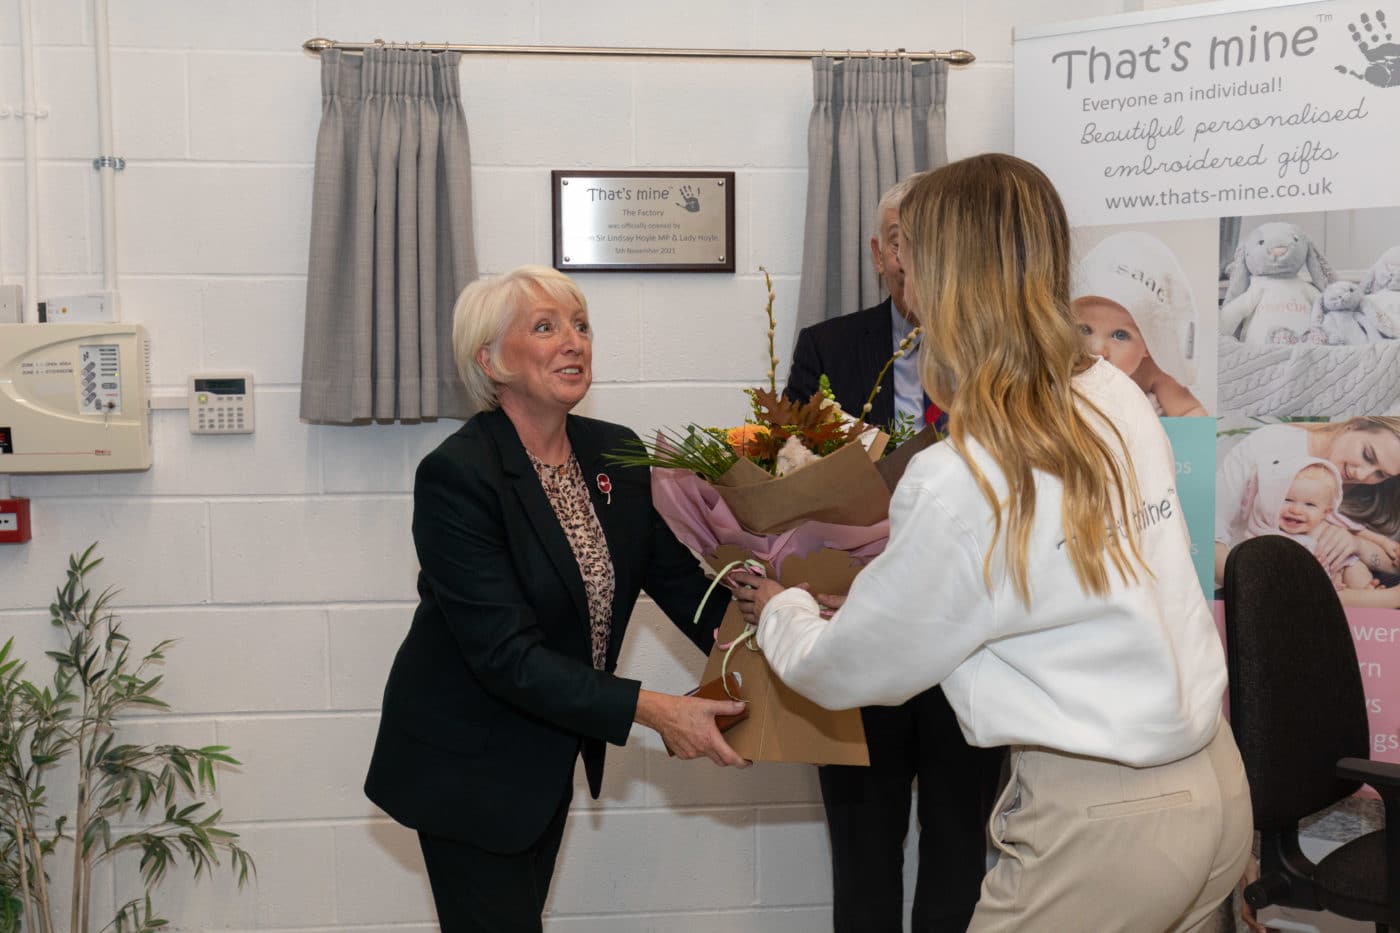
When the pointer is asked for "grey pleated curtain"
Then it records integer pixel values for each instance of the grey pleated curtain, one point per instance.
(874, 121)
(391, 239)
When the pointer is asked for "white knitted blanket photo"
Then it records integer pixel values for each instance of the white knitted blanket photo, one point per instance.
(1309, 379)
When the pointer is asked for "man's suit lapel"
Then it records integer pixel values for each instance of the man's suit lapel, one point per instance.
(534, 504)
(876, 347)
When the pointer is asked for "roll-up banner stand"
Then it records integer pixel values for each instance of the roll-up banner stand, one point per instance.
(1231, 172)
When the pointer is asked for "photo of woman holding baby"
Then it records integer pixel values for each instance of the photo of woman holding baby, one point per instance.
(1333, 487)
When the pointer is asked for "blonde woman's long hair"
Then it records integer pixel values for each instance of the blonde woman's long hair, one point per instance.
(986, 250)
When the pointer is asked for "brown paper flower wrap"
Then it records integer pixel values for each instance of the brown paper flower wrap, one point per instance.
(843, 488)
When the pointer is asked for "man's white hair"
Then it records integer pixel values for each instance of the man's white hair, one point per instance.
(891, 200)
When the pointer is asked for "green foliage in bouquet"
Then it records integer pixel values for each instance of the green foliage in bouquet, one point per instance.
(74, 718)
(701, 450)
(901, 430)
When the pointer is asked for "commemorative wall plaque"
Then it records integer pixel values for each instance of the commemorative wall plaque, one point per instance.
(630, 221)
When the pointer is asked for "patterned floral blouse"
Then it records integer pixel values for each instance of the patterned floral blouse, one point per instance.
(568, 494)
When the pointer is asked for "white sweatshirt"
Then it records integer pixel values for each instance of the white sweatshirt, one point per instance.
(1135, 676)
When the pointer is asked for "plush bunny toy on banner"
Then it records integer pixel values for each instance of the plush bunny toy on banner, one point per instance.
(1382, 285)
(1343, 316)
(1268, 301)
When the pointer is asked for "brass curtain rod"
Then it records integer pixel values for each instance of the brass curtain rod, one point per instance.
(952, 56)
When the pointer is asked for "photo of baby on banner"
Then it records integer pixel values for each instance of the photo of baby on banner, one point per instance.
(1142, 297)
(1310, 313)
(1332, 486)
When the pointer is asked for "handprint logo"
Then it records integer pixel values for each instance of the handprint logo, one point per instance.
(692, 199)
(1384, 58)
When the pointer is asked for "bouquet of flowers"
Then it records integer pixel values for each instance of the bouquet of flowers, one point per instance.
(802, 489)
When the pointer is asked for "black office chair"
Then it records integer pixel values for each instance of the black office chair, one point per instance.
(1299, 716)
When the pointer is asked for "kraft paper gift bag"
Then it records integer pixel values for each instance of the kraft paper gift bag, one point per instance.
(782, 725)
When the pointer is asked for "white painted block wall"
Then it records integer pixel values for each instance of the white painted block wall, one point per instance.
(282, 561)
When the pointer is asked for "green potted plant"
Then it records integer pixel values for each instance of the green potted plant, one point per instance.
(97, 678)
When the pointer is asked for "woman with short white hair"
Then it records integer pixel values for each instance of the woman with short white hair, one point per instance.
(533, 551)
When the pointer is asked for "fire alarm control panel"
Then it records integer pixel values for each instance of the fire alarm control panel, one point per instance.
(74, 398)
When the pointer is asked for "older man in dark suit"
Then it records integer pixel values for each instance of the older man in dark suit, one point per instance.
(867, 809)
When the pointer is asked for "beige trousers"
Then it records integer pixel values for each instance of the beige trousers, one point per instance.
(1092, 846)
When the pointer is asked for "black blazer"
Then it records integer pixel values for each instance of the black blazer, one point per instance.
(850, 349)
(493, 692)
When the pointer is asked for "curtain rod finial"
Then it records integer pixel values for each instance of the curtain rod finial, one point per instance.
(317, 46)
(960, 57)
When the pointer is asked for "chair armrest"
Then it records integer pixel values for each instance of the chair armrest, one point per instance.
(1381, 775)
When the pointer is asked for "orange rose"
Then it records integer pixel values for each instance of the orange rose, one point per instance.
(745, 438)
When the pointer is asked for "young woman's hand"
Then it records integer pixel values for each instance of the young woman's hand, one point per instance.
(752, 592)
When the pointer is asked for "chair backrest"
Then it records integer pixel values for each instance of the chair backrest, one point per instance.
(1296, 700)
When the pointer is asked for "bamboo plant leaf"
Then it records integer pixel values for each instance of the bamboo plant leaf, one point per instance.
(96, 674)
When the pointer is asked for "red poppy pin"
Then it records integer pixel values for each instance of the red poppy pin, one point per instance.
(605, 487)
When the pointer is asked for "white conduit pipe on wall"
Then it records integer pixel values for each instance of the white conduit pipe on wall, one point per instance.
(30, 116)
(108, 172)
(31, 164)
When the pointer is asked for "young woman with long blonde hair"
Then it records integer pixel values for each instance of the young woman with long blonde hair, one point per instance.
(1039, 568)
